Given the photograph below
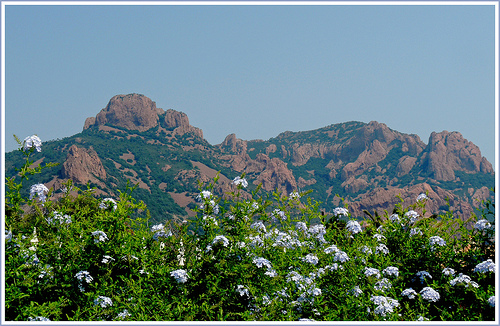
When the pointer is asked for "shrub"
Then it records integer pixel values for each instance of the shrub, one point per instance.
(271, 257)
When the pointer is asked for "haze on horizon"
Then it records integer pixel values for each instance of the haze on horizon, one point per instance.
(255, 71)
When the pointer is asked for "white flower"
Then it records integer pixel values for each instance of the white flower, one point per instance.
(319, 231)
(353, 227)
(259, 261)
(341, 256)
(205, 194)
(124, 314)
(332, 248)
(101, 236)
(448, 271)
(429, 294)
(412, 215)
(8, 236)
(356, 291)
(180, 275)
(379, 237)
(294, 195)
(271, 273)
(491, 301)
(84, 275)
(108, 203)
(301, 226)
(436, 240)
(422, 197)
(33, 141)
(38, 318)
(311, 259)
(106, 259)
(242, 290)
(482, 225)
(394, 218)
(259, 226)
(391, 271)
(485, 266)
(463, 279)
(382, 248)
(40, 190)
(422, 318)
(382, 284)
(222, 239)
(385, 305)
(45, 271)
(58, 217)
(423, 275)
(410, 293)
(366, 250)
(369, 271)
(415, 231)
(294, 276)
(333, 267)
(239, 181)
(103, 301)
(316, 292)
(340, 211)
(277, 213)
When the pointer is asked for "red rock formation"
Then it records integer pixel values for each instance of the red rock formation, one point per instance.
(180, 122)
(132, 112)
(83, 165)
(448, 152)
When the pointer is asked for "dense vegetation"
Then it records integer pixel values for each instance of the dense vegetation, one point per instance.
(265, 258)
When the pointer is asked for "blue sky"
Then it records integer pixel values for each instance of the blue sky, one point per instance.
(255, 70)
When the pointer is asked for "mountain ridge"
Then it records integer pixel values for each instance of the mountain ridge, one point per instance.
(368, 164)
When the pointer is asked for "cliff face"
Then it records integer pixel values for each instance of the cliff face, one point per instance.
(367, 164)
(83, 165)
(448, 152)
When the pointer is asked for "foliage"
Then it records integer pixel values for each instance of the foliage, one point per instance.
(268, 257)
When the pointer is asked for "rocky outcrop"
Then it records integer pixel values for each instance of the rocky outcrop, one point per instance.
(233, 145)
(83, 165)
(276, 175)
(405, 164)
(179, 122)
(447, 152)
(132, 112)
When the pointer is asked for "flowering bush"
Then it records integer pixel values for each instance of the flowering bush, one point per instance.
(271, 257)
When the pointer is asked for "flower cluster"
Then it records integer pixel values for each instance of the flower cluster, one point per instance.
(103, 301)
(240, 181)
(341, 211)
(99, 236)
(83, 276)
(430, 294)
(485, 267)
(32, 142)
(108, 203)
(40, 191)
(58, 218)
(482, 225)
(353, 227)
(180, 275)
(384, 305)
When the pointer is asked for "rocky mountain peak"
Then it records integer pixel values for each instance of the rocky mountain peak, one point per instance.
(132, 112)
(138, 112)
(180, 122)
(447, 152)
